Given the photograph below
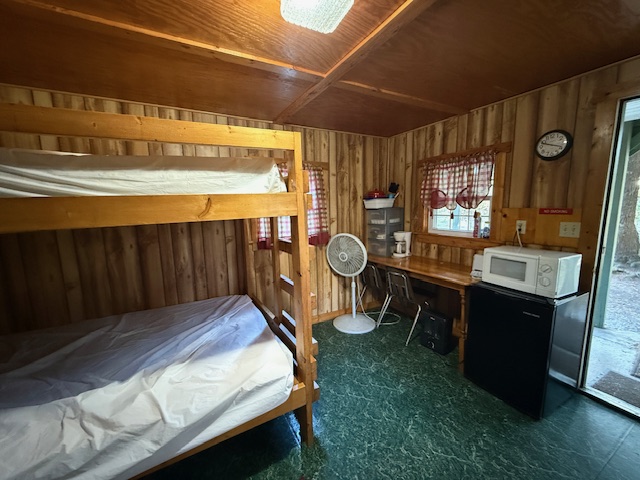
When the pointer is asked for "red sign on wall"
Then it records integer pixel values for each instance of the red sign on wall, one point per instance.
(555, 211)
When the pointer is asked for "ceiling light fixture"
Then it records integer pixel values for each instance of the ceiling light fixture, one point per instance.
(320, 15)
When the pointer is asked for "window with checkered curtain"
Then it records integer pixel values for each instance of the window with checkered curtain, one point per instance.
(317, 218)
(455, 190)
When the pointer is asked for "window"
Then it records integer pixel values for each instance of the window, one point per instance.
(317, 218)
(456, 193)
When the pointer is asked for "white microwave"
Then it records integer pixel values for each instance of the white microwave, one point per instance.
(540, 272)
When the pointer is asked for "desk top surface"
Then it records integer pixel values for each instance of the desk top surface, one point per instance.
(447, 272)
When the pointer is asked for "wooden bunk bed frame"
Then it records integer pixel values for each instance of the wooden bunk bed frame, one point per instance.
(56, 213)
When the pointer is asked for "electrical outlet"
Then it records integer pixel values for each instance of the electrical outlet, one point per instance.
(521, 226)
(570, 229)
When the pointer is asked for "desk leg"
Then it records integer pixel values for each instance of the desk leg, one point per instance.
(463, 329)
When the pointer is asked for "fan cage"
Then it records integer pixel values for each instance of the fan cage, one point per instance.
(346, 255)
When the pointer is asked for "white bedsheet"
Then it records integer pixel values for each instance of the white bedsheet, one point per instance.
(33, 173)
(112, 397)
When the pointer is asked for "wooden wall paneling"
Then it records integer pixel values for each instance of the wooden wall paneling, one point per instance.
(264, 273)
(590, 84)
(215, 261)
(183, 258)
(199, 264)
(92, 265)
(151, 265)
(21, 308)
(407, 181)
(168, 266)
(370, 164)
(597, 177)
(343, 200)
(249, 256)
(397, 172)
(123, 265)
(449, 138)
(232, 256)
(44, 278)
(323, 280)
(628, 71)
(475, 128)
(71, 275)
(493, 117)
(568, 106)
(462, 132)
(417, 210)
(397, 169)
(240, 262)
(544, 171)
(333, 212)
(524, 140)
(507, 135)
(356, 180)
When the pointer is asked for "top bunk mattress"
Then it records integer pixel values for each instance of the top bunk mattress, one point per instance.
(113, 397)
(35, 173)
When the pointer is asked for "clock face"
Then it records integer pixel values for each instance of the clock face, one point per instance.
(553, 145)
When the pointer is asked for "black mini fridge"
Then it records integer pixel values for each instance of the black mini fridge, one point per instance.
(525, 349)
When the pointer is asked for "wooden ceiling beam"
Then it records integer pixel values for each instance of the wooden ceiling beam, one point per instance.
(222, 54)
(400, 97)
(405, 14)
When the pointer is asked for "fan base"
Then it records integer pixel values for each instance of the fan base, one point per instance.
(348, 324)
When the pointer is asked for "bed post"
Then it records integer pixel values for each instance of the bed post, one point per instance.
(302, 294)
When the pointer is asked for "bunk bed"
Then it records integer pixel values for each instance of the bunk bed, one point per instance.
(283, 330)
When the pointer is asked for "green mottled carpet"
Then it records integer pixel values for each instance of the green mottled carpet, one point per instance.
(393, 412)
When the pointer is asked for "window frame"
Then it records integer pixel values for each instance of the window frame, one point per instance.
(421, 217)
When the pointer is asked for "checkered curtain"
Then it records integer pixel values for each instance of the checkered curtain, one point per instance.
(462, 180)
(317, 220)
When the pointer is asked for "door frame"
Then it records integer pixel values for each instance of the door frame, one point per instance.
(600, 180)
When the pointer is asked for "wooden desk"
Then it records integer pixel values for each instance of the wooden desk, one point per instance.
(447, 275)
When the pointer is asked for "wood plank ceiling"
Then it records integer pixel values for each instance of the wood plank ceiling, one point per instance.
(391, 66)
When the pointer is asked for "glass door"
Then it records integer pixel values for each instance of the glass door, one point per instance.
(613, 364)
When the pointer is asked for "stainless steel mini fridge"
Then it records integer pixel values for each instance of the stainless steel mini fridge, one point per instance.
(525, 349)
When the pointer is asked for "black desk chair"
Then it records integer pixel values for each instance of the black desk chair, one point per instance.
(372, 278)
(400, 287)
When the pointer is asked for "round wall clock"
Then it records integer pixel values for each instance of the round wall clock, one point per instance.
(554, 144)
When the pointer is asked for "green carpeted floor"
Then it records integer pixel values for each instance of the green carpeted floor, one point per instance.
(393, 412)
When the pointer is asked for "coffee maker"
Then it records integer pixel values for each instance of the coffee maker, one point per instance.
(403, 244)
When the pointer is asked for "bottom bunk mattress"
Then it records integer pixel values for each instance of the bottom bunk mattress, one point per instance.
(113, 397)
